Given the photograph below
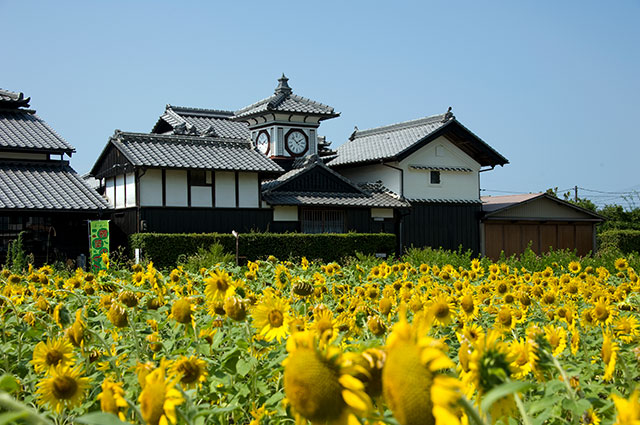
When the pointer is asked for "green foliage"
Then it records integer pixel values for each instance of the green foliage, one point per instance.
(215, 254)
(17, 259)
(428, 255)
(624, 240)
(164, 249)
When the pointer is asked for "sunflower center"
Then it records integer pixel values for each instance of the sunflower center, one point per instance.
(323, 326)
(467, 304)
(190, 372)
(441, 310)
(275, 318)
(502, 288)
(601, 312)
(522, 358)
(64, 387)
(222, 285)
(54, 357)
(504, 316)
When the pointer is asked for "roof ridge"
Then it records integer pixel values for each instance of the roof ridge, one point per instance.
(183, 138)
(188, 110)
(254, 105)
(400, 125)
(315, 102)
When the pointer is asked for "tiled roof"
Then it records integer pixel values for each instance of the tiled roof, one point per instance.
(373, 199)
(171, 151)
(385, 142)
(206, 122)
(397, 141)
(445, 201)
(440, 168)
(494, 203)
(52, 186)
(23, 129)
(9, 99)
(283, 100)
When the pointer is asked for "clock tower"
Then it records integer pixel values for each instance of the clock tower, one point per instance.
(284, 126)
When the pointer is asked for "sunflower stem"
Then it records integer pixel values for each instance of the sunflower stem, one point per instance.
(471, 411)
(564, 376)
(132, 326)
(523, 412)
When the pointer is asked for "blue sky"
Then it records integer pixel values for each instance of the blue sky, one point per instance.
(553, 86)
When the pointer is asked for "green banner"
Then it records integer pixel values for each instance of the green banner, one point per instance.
(99, 243)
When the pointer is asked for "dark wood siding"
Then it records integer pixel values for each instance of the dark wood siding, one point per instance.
(112, 163)
(514, 237)
(445, 225)
(200, 220)
(317, 180)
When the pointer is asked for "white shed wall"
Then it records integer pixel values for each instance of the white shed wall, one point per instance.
(110, 192)
(120, 191)
(372, 173)
(285, 213)
(201, 196)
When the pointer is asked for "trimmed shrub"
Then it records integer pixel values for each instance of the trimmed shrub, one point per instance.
(624, 240)
(164, 249)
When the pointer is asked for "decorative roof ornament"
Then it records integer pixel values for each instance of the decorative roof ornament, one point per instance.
(13, 100)
(353, 135)
(448, 116)
(283, 86)
(209, 132)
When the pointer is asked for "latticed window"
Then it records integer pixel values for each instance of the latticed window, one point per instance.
(322, 221)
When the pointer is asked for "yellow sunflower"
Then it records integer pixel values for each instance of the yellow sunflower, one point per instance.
(557, 337)
(609, 353)
(468, 304)
(316, 386)
(442, 310)
(192, 371)
(626, 328)
(53, 353)
(523, 357)
(621, 264)
(271, 317)
(112, 398)
(219, 286)
(628, 410)
(159, 398)
(414, 385)
(324, 324)
(63, 388)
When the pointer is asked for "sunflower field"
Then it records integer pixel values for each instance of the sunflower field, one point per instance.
(365, 342)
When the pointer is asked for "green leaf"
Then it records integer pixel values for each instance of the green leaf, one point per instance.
(577, 407)
(243, 367)
(100, 418)
(502, 391)
(8, 383)
(11, 417)
(542, 404)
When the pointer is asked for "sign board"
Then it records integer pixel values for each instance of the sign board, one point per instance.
(98, 243)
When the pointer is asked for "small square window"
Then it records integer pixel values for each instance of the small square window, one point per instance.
(435, 177)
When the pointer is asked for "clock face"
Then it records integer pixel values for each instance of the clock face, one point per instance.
(262, 142)
(296, 142)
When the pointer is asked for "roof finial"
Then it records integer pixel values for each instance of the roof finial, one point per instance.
(283, 86)
(448, 115)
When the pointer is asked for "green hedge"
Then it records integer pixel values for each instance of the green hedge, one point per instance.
(626, 241)
(164, 249)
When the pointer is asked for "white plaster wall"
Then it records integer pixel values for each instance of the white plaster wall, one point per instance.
(176, 188)
(130, 183)
(372, 173)
(110, 191)
(248, 196)
(120, 191)
(225, 182)
(285, 213)
(151, 188)
(201, 196)
(453, 184)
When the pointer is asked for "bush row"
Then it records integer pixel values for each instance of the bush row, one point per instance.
(165, 249)
(625, 240)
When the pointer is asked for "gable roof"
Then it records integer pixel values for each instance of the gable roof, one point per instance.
(189, 152)
(46, 186)
(22, 129)
(506, 206)
(397, 141)
(315, 184)
(205, 122)
(283, 100)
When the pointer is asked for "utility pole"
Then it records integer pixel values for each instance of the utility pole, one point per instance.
(575, 189)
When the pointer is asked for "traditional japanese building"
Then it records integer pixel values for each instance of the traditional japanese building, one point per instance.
(40, 193)
(265, 167)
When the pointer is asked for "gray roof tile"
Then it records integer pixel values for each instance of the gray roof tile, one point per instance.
(47, 186)
(283, 100)
(210, 122)
(385, 142)
(171, 151)
(9, 99)
(23, 129)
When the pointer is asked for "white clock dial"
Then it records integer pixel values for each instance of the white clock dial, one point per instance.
(263, 142)
(296, 142)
